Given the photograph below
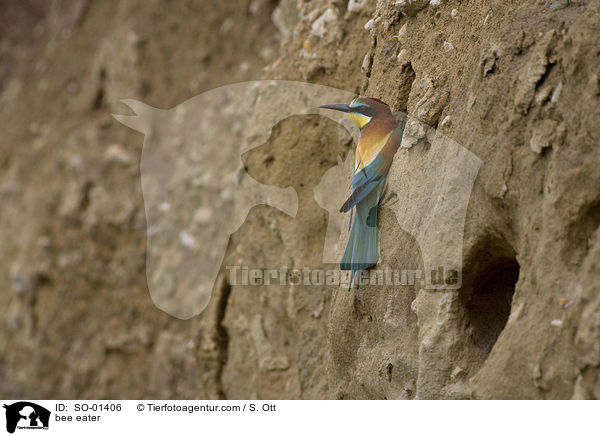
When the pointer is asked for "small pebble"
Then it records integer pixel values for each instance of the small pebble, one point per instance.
(565, 302)
(454, 13)
(410, 7)
(227, 25)
(367, 63)
(402, 57)
(186, 239)
(560, 4)
(307, 45)
(203, 215)
(402, 31)
(456, 372)
(326, 25)
(448, 46)
(357, 5)
(556, 93)
(135, 38)
(226, 194)
(115, 153)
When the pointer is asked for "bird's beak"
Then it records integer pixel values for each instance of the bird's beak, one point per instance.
(337, 107)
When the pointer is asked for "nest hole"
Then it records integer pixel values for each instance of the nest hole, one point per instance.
(489, 305)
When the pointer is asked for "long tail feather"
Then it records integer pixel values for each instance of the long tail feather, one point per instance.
(361, 251)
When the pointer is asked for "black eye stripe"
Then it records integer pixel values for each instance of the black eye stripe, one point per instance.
(365, 110)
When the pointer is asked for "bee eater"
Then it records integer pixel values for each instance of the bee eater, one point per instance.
(380, 137)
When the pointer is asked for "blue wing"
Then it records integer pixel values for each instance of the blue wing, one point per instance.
(365, 181)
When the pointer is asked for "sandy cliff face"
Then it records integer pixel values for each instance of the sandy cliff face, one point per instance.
(517, 84)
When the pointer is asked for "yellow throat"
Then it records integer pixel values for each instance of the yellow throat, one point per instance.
(358, 119)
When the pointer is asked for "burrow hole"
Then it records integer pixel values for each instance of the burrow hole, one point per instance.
(489, 294)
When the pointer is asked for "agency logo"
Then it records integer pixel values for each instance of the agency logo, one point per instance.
(26, 415)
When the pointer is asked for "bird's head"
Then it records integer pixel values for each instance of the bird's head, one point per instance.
(361, 110)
